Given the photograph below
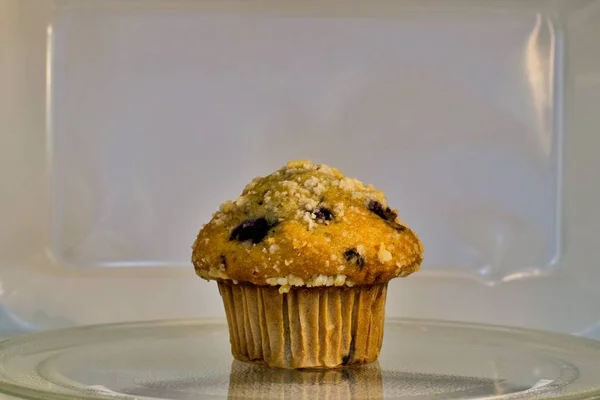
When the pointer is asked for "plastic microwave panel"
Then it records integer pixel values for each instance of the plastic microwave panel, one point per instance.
(124, 124)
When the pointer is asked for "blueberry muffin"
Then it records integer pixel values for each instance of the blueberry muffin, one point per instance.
(302, 259)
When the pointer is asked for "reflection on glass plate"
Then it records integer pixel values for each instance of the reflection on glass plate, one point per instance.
(190, 359)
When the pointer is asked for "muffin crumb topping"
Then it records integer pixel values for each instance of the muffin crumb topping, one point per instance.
(311, 223)
(383, 254)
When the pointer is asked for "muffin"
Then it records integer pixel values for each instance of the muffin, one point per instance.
(302, 259)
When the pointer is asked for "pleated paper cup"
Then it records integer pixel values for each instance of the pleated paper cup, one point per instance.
(317, 327)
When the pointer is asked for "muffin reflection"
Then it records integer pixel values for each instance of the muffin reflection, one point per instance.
(251, 381)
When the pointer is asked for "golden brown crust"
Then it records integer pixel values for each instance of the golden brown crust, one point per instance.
(310, 225)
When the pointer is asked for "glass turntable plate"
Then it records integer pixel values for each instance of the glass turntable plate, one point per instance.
(190, 359)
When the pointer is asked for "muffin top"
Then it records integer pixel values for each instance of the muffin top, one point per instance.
(306, 225)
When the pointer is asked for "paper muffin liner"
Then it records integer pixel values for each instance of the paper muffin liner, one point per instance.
(249, 381)
(318, 327)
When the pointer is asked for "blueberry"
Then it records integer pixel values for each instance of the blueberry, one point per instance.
(323, 214)
(254, 230)
(385, 213)
(351, 255)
